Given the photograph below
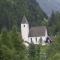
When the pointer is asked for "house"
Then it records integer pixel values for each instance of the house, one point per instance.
(34, 34)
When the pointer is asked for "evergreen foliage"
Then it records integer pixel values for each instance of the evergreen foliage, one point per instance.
(31, 51)
(34, 52)
(11, 43)
(13, 10)
(11, 47)
(53, 51)
(54, 23)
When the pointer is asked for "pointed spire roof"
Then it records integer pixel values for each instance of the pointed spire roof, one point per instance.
(24, 20)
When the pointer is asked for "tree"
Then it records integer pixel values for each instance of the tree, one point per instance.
(31, 51)
(17, 44)
(37, 52)
(11, 10)
(54, 23)
(34, 51)
(11, 47)
(54, 49)
(5, 47)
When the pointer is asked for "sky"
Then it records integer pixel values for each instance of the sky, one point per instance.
(49, 5)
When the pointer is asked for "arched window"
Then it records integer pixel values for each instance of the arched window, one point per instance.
(24, 25)
(31, 40)
(36, 39)
(40, 40)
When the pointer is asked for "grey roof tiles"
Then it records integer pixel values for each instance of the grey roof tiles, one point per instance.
(37, 31)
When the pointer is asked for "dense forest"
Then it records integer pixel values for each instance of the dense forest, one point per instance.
(11, 43)
(12, 11)
(54, 23)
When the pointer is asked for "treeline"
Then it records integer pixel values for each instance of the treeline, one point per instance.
(53, 51)
(54, 24)
(54, 30)
(12, 11)
(13, 48)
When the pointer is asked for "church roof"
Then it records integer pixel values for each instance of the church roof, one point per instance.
(37, 31)
(24, 20)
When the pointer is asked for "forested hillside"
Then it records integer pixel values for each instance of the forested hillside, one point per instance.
(12, 11)
(49, 5)
(54, 23)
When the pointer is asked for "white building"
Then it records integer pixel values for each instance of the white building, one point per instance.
(34, 34)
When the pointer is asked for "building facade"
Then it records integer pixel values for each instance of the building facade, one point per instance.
(37, 35)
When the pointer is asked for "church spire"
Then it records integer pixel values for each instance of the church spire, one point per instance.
(24, 20)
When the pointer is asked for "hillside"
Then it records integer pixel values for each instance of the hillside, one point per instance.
(49, 5)
(11, 12)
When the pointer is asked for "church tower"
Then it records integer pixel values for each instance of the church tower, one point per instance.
(24, 29)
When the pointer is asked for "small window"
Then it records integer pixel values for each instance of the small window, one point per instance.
(31, 39)
(24, 25)
(41, 40)
(36, 39)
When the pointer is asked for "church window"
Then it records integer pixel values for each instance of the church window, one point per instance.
(41, 40)
(24, 25)
(31, 39)
(36, 39)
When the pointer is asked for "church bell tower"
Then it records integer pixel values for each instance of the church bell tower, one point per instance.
(24, 29)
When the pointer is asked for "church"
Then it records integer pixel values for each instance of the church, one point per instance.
(36, 35)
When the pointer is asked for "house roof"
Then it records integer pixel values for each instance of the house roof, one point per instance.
(24, 20)
(37, 31)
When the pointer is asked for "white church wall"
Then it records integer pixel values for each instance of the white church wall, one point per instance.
(35, 40)
(38, 40)
(43, 40)
(24, 31)
(46, 33)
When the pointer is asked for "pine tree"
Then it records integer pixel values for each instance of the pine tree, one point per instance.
(5, 46)
(31, 51)
(37, 55)
(11, 47)
(17, 44)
